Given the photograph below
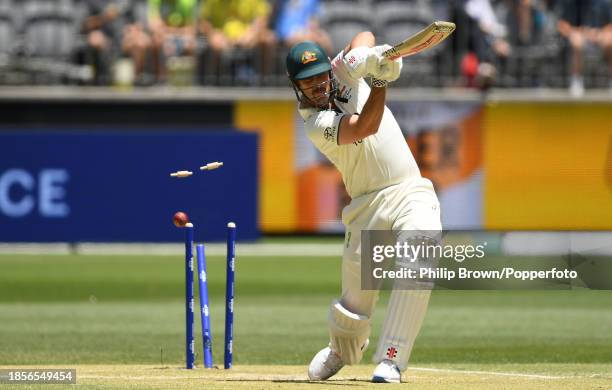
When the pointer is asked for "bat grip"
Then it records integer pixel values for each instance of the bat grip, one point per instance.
(390, 54)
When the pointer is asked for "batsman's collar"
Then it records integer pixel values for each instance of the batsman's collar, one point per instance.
(306, 59)
(305, 113)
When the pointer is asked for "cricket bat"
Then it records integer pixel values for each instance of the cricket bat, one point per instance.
(427, 38)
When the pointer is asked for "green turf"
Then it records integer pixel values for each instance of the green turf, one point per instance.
(306, 239)
(129, 309)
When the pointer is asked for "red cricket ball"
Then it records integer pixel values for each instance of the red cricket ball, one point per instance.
(180, 219)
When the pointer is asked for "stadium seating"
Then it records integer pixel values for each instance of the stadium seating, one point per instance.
(394, 23)
(342, 20)
(50, 37)
(8, 28)
(40, 41)
(9, 40)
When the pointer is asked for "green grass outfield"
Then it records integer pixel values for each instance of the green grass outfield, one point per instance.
(117, 310)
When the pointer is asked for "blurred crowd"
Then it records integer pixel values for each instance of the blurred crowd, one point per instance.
(502, 43)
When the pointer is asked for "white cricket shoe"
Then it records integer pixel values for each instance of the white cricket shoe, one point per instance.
(386, 372)
(325, 364)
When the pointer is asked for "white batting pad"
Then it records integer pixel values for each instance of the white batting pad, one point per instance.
(405, 314)
(348, 332)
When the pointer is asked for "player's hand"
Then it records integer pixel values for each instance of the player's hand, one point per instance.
(360, 61)
(388, 70)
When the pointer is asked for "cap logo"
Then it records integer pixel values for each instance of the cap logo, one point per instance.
(308, 56)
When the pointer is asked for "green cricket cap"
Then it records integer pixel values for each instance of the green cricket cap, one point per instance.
(306, 59)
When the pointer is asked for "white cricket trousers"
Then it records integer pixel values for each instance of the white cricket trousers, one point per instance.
(410, 205)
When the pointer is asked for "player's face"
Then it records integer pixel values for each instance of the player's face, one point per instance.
(316, 88)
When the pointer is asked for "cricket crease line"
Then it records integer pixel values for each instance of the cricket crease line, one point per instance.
(264, 377)
(495, 373)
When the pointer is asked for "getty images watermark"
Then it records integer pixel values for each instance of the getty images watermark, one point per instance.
(467, 260)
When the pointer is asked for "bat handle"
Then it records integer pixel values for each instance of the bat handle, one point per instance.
(390, 54)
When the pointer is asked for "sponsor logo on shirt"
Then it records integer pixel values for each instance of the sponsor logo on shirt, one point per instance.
(329, 133)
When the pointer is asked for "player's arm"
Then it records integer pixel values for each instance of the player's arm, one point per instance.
(359, 126)
(362, 58)
(362, 39)
(356, 127)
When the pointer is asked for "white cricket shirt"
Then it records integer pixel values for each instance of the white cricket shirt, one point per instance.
(368, 165)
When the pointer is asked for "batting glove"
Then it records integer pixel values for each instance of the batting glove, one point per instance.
(388, 70)
(361, 61)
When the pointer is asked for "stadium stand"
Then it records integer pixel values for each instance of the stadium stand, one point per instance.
(42, 43)
(396, 20)
(50, 40)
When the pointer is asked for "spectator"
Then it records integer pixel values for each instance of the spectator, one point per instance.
(585, 24)
(487, 37)
(525, 22)
(604, 39)
(104, 27)
(296, 21)
(241, 24)
(137, 43)
(532, 40)
(490, 29)
(173, 26)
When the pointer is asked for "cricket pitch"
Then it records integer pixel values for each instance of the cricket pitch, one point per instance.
(510, 376)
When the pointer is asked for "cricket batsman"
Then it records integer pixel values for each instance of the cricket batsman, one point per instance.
(347, 120)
